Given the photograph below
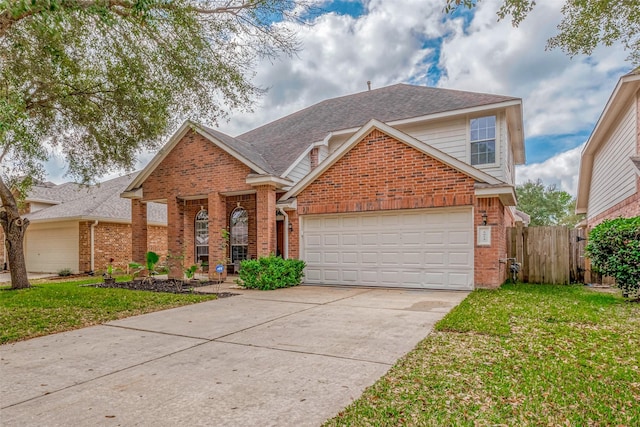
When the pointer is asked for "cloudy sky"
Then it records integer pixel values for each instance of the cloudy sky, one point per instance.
(413, 41)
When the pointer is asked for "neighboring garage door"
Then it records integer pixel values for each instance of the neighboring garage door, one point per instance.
(427, 248)
(52, 247)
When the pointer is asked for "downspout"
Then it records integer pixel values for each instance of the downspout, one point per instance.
(93, 245)
(286, 233)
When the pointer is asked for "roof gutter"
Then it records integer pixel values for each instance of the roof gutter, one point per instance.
(93, 246)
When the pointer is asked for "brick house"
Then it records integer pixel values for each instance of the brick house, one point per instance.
(83, 227)
(609, 181)
(402, 186)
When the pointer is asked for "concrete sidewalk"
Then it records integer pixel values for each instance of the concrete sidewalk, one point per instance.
(291, 357)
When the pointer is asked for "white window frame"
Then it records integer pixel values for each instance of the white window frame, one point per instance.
(483, 139)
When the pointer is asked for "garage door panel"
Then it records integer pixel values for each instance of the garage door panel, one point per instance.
(349, 239)
(434, 238)
(459, 259)
(50, 248)
(459, 238)
(429, 248)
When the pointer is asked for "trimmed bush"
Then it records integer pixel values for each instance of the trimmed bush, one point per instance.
(270, 272)
(614, 250)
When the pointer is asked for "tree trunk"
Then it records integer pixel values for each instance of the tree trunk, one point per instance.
(14, 228)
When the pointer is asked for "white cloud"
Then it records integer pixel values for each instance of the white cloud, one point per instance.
(561, 95)
(561, 170)
(396, 41)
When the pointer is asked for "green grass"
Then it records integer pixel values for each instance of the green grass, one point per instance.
(522, 355)
(48, 308)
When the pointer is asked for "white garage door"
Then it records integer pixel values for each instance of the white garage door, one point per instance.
(430, 248)
(50, 248)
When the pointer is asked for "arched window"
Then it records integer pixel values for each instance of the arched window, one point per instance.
(201, 237)
(239, 234)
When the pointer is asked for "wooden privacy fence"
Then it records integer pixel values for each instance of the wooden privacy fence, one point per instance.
(548, 254)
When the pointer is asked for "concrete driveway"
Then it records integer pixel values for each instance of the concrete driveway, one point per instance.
(291, 357)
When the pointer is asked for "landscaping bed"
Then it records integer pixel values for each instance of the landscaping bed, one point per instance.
(174, 286)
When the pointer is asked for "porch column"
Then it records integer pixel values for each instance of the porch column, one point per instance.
(266, 219)
(175, 233)
(218, 245)
(139, 230)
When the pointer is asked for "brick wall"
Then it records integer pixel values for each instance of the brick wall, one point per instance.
(195, 166)
(489, 271)
(381, 173)
(113, 241)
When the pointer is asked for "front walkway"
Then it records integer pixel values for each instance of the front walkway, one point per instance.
(290, 357)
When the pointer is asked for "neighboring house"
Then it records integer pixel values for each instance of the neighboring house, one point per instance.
(83, 227)
(403, 186)
(609, 183)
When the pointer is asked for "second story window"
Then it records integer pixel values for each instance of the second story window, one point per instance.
(483, 140)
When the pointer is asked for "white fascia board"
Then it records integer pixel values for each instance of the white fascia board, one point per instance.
(288, 204)
(506, 194)
(400, 136)
(452, 113)
(45, 201)
(278, 182)
(133, 194)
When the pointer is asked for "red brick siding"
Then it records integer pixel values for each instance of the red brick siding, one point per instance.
(294, 236)
(489, 271)
(266, 224)
(195, 166)
(113, 240)
(628, 208)
(381, 173)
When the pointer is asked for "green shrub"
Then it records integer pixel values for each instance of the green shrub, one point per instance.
(614, 250)
(64, 272)
(270, 272)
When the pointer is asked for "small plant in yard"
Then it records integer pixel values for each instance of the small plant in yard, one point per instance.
(270, 272)
(151, 261)
(64, 272)
(614, 250)
(191, 271)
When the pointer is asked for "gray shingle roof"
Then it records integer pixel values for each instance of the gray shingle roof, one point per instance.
(281, 142)
(101, 201)
(247, 150)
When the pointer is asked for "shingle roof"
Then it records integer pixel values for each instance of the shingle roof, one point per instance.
(246, 149)
(281, 142)
(101, 201)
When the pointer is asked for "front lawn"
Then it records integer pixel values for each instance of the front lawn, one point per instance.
(47, 308)
(522, 355)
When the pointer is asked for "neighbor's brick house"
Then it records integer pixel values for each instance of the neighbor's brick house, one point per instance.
(382, 188)
(82, 228)
(609, 182)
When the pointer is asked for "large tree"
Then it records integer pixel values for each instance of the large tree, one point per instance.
(546, 204)
(100, 80)
(585, 24)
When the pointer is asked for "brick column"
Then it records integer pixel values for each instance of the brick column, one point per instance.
(218, 246)
(175, 233)
(139, 230)
(266, 219)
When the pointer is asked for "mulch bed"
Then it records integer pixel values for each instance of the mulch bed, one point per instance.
(165, 285)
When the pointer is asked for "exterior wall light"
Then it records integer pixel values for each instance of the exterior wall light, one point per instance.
(484, 218)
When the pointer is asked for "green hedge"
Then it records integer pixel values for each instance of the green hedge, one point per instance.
(270, 272)
(614, 250)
